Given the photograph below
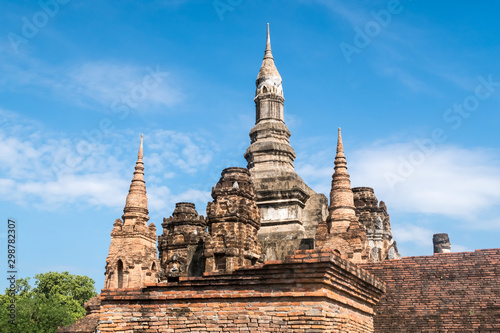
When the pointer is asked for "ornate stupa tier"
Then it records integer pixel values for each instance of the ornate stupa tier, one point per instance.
(267, 130)
(132, 258)
(289, 209)
(342, 231)
(270, 155)
(269, 79)
(136, 205)
(342, 209)
(270, 145)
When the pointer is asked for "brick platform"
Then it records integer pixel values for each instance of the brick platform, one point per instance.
(307, 292)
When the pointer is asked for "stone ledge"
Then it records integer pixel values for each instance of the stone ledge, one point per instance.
(307, 274)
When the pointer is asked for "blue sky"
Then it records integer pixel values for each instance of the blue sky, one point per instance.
(415, 86)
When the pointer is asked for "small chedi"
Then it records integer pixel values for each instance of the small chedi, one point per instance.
(233, 223)
(132, 260)
(272, 255)
(376, 221)
(181, 245)
(342, 230)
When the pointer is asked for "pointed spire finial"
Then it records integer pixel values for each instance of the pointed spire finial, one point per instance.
(136, 205)
(268, 53)
(340, 145)
(268, 68)
(139, 155)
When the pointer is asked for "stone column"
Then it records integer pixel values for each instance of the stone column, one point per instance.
(441, 243)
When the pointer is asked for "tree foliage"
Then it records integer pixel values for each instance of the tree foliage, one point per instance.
(56, 299)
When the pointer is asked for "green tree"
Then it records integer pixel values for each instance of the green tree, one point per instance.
(56, 299)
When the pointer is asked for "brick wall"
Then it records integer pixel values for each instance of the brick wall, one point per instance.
(449, 292)
(308, 292)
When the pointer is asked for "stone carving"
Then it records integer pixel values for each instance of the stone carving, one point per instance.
(181, 244)
(233, 222)
(376, 221)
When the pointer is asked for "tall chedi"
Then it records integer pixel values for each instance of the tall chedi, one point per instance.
(132, 259)
(342, 230)
(289, 209)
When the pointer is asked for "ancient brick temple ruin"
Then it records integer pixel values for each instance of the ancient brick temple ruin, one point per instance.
(132, 260)
(272, 255)
(181, 245)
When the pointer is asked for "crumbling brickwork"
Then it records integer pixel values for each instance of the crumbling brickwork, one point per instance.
(308, 292)
(132, 259)
(290, 210)
(376, 221)
(233, 223)
(342, 231)
(181, 245)
(448, 292)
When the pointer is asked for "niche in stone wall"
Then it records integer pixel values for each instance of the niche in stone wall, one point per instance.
(220, 262)
(220, 241)
(119, 269)
(197, 264)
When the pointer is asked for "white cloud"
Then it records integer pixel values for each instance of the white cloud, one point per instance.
(114, 86)
(96, 190)
(130, 85)
(449, 181)
(460, 248)
(317, 177)
(415, 236)
(186, 151)
(419, 236)
(46, 170)
(102, 81)
(161, 199)
(490, 222)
